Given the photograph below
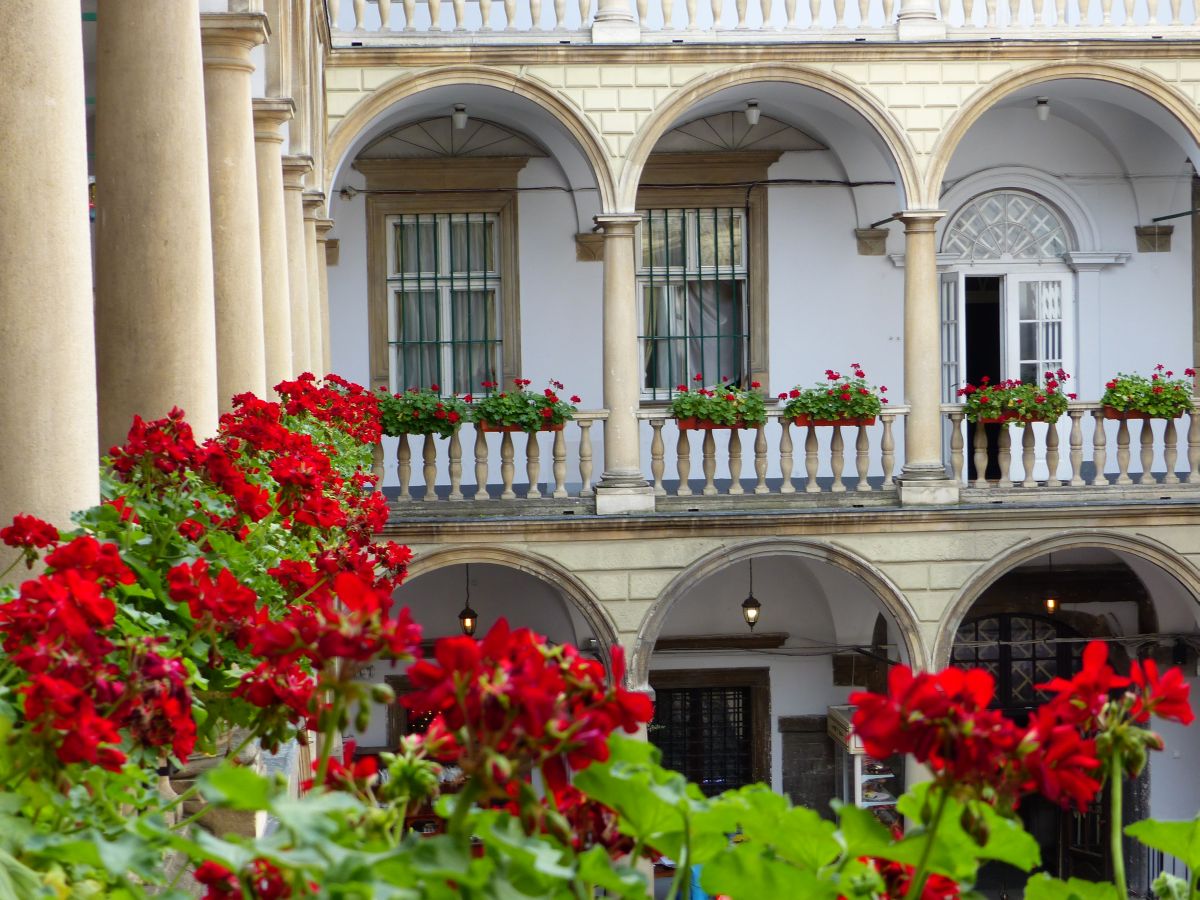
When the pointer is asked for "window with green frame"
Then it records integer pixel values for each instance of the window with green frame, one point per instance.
(693, 288)
(444, 297)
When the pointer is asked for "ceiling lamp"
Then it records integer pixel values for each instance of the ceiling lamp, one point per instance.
(468, 619)
(1052, 601)
(1043, 108)
(751, 608)
(459, 117)
(752, 112)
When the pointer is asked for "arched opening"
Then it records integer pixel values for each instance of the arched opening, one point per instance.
(1103, 591)
(736, 705)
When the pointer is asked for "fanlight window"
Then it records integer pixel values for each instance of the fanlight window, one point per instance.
(1006, 225)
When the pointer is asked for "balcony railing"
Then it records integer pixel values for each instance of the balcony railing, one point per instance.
(358, 23)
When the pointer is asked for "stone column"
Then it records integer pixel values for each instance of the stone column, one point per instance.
(155, 325)
(615, 24)
(918, 21)
(227, 40)
(269, 115)
(622, 487)
(313, 202)
(323, 228)
(47, 354)
(923, 479)
(294, 170)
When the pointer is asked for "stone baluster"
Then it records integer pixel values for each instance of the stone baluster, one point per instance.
(1175, 12)
(1146, 457)
(839, 13)
(533, 465)
(814, 11)
(1099, 448)
(956, 445)
(455, 453)
(1106, 12)
(643, 8)
(1076, 448)
(1052, 457)
(979, 447)
(1005, 454)
(717, 7)
(887, 12)
(435, 15)
(385, 14)
(1129, 5)
(691, 15)
(485, 14)
(535, 15)
(1085, 11)
(1170, 452)
(1060, 11)
(862, 458)
(459, 8)
(335, 12)
(990, 5)
(1123, 453)
(559, 453)
(837, 459)
(1044, 18)
(968, 13)
(560, 15)
(1027, 456)
(789, 10)
(410, 15)
(760, 460)
(429, 468)
(683, 463)
(735, 461)
(740, 6)
(785, 457)
(864, 13)
(585, 10)
(810, 461)
(507, 469)
(764, 7)
(404, 466)
(944, 5)
(481, 465)
(1014, 13)
(708, 452)
(360, 14)
(377, 464)
(585, 459)
(887, 449)
(1193, 447)
(657, 454)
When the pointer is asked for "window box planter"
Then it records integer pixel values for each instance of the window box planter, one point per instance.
(1128, 415)
(489, 428)
(1159, 396)
(695, 423)
(808, 420)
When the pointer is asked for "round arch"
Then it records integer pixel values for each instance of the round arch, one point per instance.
(665, 115)
(364, 114)
(1166, 559)
(574, 591)
(879, 584)
(1169, 98)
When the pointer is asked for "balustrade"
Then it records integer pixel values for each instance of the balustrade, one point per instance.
(1038, 461)
(363, 23)
(824, 448)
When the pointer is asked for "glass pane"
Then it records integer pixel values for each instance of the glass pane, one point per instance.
(664, 342)
(1006, 223)
(1029, 300)
(1051, 342)
(720, 238)
(1028, 345)
(472, 240)
(662, 238)
(715, 328)
(416, 360)
(1029, 372)
(473, 319)
(415, 244)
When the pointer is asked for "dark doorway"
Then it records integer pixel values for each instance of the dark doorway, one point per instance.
(982, 332)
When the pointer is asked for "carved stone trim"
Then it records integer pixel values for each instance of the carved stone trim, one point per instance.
(589, 247)
(871, 241)
(1153, 238)
(333, 248)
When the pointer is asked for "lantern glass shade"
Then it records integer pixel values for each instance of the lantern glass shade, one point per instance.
(1051, 604)
(468, 619)
(750, 611)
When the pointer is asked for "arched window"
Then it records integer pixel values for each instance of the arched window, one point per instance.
(1021, 652)
(1007, 225)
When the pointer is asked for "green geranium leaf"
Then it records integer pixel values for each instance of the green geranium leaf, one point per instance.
(597, 868)
(1179, 839)
(236, 787)
(1044, 887)
(745, 870)
(795, 833)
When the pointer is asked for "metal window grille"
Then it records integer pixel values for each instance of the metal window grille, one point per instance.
(693, 287)
(1020, 652)
(705, 733)
(443, 300)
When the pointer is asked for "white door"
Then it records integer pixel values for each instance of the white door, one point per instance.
(1039, 327)
(954, 356)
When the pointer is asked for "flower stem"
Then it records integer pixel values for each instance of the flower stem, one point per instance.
(917, 886)
(1114, 826)
(464, 800)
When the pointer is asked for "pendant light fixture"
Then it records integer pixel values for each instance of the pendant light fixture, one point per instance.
(468, 619)
(1052, 602)
(751, 608)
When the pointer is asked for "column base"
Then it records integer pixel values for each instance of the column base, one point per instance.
(624, 499)
(920, 30)
(918, 489)
(616, 31)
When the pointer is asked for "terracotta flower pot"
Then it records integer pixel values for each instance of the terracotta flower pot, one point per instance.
(692, 423)
(489, 428)
(805, 420)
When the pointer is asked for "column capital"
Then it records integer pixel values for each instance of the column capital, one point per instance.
(226, 39)
(269, 114)
(314, 202)
(295, 170)
(617, 223)
(324, 226)
(920, 219)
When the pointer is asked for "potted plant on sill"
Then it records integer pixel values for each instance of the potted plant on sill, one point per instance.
(721, 406)
(1158, 397)
(521, 409)
(1014, 401)
(421, 411)
(839, 400)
